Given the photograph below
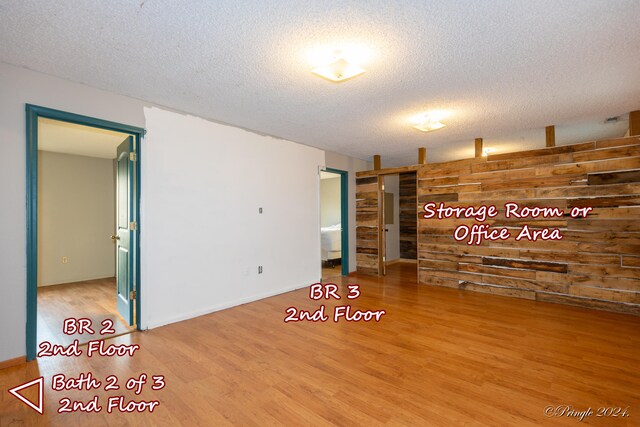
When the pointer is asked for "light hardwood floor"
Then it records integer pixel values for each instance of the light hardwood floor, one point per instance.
(331, 272)
(439, 357)
(92, 299)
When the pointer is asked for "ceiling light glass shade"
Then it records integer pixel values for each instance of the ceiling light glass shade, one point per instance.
(429, 124)
(339, 71)
(486, 151)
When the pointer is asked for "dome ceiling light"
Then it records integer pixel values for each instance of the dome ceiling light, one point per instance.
(339, 69)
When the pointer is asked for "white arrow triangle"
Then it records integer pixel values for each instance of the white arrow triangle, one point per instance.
(40, 405)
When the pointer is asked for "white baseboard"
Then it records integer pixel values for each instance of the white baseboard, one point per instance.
(64, 282)
(213, 309)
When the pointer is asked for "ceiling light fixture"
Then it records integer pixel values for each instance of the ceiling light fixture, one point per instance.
(428, 123)
(339, 69)
(486, 151)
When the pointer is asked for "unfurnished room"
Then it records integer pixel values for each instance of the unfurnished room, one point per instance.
(297, 213)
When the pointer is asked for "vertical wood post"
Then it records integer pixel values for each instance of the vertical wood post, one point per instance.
(634, 123)
(478, 147)
(382, 242)
(550, 132)
(376, 162)
(422, 156)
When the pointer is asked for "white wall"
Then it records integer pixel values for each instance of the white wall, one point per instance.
(392, 185)
(76, 216)
(19, 86)
(351, 165)
(202, 242)
(330, 213)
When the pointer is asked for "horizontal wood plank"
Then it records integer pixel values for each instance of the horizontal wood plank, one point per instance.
(596, 263)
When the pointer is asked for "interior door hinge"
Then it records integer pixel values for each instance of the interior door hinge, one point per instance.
(133, 226)
(133, 156)
(133, 295)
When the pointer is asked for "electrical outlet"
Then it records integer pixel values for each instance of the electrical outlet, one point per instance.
(259, 269)
(65, 260)
(259, 210)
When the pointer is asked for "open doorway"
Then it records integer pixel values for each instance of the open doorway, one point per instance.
(399, 224)
(392, 219)
(334, 246)
(82, 225)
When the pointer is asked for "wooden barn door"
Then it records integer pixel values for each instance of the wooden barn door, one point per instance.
(382, 228)
(367, 225)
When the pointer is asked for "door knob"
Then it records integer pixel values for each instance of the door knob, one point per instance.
(114, 237)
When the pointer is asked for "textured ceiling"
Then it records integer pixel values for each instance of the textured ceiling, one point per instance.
(69, 138)
(502, 69)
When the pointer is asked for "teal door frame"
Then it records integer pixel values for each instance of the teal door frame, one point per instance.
(344, 217)
(33, 113)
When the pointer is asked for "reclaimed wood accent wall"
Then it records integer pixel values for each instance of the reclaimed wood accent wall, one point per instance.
(408, 218)
(597, 262)
(367, 225)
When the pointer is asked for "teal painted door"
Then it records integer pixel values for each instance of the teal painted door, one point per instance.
(124, 233)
